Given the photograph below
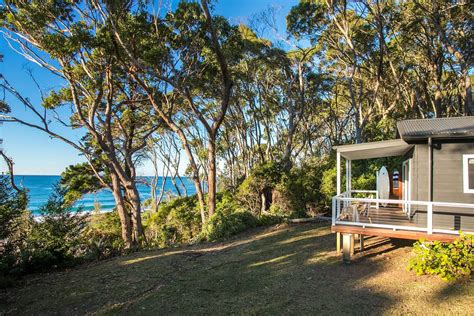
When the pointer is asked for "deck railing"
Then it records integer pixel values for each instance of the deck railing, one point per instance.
(423, 216)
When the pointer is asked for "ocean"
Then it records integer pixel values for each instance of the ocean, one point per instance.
(40, 187)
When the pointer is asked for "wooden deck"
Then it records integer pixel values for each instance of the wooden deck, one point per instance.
(390, 233)
(389, 216)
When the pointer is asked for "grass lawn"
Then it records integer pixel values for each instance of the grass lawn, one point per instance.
(278, 270)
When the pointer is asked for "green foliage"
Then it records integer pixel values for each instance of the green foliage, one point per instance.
(450, 261)
(175, 222)
(328, 185)
(56, 238)
(231, 218)
(299, 193)
(103, 236)
(263, 178)
(225, 223)
(269, 219)
(179, 221)
(288, 197)
(78, 180)
(12, 205)
(56, 99)
(314, 20)
(12, 230)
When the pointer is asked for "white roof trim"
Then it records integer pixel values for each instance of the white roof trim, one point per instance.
(386, 148)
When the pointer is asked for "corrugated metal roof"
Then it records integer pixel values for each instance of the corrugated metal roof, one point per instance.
(451, 127)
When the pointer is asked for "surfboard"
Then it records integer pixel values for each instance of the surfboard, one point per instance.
(383, 184)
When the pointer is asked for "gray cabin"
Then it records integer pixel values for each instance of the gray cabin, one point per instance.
(430, 195)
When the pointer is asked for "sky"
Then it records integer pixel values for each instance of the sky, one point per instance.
(34, 152)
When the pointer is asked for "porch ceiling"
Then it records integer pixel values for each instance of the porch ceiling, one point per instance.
(386, 148)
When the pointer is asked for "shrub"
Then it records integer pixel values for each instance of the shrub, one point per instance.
(12, 205)
(175, 222)
(285, 201)
(450, 261)
(230, 219)
(225, 223)
(262, 180)
(55, 239)
(269, 219)
(14, 222)
(104, 236)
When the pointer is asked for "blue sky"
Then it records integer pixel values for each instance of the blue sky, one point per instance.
(32, 150)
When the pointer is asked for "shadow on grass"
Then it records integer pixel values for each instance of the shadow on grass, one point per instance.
(454, 289)
(289, 270)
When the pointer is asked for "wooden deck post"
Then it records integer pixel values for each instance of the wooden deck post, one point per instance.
(338, 242)
(346, 248)
(352, 243)
(361, 242)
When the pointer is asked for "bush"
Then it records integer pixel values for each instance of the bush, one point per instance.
(262, 180)
(12, 205)
(175, 222)
(55, 239)
(179, 221)
(14, 222)
(450, 261)
(230, 219)
(269, 219)
(293, 193)
(104, 236)
(225, 223)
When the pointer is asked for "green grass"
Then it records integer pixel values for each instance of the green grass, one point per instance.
(279, 270)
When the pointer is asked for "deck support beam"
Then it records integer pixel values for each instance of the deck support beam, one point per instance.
(347, 245)
(361, 243)
(352, 244)
(338, 242)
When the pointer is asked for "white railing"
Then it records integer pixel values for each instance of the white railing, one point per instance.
(345, 199)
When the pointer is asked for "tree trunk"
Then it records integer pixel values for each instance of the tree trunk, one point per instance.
(185, 190)
(134, 199)
(358, 128)
(122, 212)
(467, 94)
(211, 175)
(289, 138)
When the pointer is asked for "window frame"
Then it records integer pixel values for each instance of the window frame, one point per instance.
(465, 172)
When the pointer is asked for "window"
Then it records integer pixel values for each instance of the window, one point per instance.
(468, 173)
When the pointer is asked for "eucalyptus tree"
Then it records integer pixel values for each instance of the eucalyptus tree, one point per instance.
(163, 150)
(67, 39)
(440, 36)
(273, 115)
(389, 60)
(184, 62)
(337, 30)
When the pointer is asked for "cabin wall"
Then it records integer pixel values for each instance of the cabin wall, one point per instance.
(448, 172)
(447, 184)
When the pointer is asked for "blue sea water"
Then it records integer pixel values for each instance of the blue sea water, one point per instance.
(40, 187)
